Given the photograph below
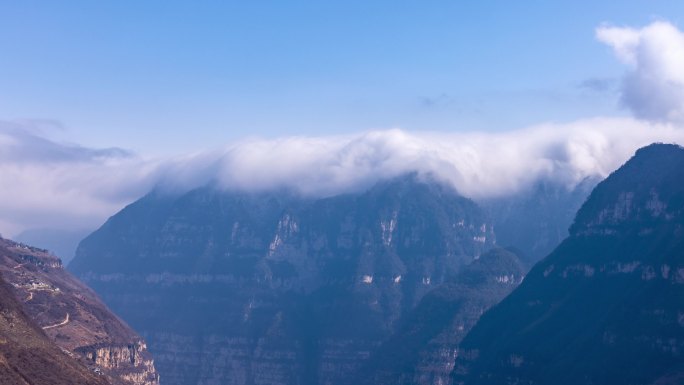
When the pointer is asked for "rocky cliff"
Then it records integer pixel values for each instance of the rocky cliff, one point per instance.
(73, 317)
(607, 306)
(424, 348)
(274, 288)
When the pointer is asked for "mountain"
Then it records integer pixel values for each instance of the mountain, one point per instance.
(423, 349)
(61, 242)
(536, 220)
(272, 287)
(607, 305)
(27, 356)
(70, 316)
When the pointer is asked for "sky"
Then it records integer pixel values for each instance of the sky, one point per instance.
(101, 101)
(162, 77)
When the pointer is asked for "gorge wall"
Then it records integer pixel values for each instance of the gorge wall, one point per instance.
(73, 317)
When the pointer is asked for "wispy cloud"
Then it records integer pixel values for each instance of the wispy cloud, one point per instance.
(23, 143)
(51, 184)
(599, 84)
(439, 100)
(653, 87)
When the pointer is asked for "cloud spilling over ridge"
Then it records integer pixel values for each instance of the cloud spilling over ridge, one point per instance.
(48, 184)
(653, 88)
(478, 165)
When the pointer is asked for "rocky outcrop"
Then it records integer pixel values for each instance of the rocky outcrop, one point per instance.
(275, 288)
(130, 362)
(73, 317)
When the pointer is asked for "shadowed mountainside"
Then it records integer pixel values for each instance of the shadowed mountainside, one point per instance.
(423, 349)
(607, 305)
(277, 288)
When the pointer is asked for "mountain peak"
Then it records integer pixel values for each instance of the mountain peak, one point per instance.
(605, 306)
(645, 189)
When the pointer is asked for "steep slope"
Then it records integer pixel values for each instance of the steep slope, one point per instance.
(607, 306)
(423, 350)
(73, 317)
(274, 288)
(27, 356)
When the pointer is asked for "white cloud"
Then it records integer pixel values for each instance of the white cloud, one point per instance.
(48, 184)
(477, 164)
(653, 88)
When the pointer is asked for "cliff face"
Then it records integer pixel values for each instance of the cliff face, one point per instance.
(424, 348)
(273, 288)
(73, 317)
(129, 363)
(606, 305)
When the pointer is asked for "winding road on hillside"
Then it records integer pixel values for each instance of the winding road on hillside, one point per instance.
(66, 321)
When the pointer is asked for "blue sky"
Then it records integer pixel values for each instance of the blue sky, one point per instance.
(100, 101)
(166, 77)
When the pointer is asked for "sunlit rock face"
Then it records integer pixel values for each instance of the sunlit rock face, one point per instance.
(607, 306)
(28, 356)
(74, 319)
(275, 288)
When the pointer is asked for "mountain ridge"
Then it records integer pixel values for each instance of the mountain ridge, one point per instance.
(316, 283)
(605, 305)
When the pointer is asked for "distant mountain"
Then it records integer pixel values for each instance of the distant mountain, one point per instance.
(423, 349)
(60, 242)
(72, 320)
(256, 288)
(536, 220)
(605, 307)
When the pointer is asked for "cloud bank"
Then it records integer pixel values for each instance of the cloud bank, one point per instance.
(49, 184)
(478, 165)
(653, 88)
